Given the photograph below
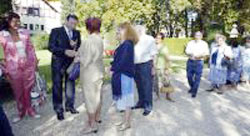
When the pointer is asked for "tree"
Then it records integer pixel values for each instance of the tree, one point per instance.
(68, 7)
(113, 12)
(6, 6)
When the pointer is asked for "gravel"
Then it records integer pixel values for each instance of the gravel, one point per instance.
(209, 114)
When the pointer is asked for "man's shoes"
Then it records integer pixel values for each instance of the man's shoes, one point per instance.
(72, 110)
(193, 95)
(210, 90)
(146, 113)
(137, 107)
(189, 91)
(60, 116)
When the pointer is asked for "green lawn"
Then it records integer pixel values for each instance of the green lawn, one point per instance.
(176, 46)
(44, 57)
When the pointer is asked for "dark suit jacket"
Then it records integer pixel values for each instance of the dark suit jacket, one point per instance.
(58, 43)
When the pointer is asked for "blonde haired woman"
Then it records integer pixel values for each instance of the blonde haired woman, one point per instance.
(123, 68)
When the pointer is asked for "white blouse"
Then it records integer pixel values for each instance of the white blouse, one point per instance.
(20, 49)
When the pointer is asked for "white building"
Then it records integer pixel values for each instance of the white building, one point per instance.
(38, 15)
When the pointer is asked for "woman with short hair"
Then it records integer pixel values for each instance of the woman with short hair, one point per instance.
(90, 55)
(220, 56)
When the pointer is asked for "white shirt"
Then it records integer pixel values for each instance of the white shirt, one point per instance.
(145, 50)
(197, 49)
(1, 72)
(20, 49)
(69, 32)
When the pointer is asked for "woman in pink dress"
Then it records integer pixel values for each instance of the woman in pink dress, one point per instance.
(20, 63)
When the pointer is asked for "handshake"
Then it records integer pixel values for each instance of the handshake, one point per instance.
(70, 53)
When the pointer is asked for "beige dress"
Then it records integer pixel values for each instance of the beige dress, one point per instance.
(92, 71)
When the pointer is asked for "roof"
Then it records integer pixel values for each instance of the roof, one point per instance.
(46, 2)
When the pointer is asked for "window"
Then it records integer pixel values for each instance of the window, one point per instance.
(42, 27)
(25, 26)
(37, 27)
(24, 11)
(31, 27)
(33, 11)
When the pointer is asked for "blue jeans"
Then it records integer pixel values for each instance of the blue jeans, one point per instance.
(59, 67)
(144, 83)
(5, 128)
(194, 73)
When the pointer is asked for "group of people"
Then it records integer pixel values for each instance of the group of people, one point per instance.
(135, 61)
(139, 59)
(228, 63)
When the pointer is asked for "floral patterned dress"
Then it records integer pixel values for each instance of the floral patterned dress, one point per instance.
(20, 69)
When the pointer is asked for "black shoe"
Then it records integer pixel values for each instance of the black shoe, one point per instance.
(189, 91)
(60, 116)
(98, 121)
(210, 90)
(193, 95)
(137, 107)
(146, 113)
(72, 110)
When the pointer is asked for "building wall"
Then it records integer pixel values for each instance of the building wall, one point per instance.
(37, 16)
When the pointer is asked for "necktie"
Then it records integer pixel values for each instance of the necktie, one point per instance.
(70, 34)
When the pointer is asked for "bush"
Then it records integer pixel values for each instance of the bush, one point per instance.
(176, 46)
(40, 41)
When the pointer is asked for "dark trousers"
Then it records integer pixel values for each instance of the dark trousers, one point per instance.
(59, 67)
(194, 73)
(5, 129)
(144, 82)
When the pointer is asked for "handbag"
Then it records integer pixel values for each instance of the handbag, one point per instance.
(74, 71)
(39, 91)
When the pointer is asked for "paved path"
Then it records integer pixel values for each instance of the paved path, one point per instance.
(207, 115)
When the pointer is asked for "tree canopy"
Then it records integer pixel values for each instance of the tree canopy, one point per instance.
(169, 14)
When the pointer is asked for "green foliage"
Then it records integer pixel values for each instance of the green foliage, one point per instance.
(68, 7)
(113, 12)
(5, 6)
(40, 41)
(176, 46)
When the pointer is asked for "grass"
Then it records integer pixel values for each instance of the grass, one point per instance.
(44, 57)
(176, 46)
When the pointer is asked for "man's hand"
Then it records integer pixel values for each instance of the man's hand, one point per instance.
(73, 43)
(70, 53)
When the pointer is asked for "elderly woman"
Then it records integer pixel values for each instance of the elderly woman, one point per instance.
(235, 67)
(246, 61)
(219, 60)
(90, 55)
(123, 69)
(20, 63)
(162, 66)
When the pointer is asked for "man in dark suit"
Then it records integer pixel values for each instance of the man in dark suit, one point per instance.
(63, 43)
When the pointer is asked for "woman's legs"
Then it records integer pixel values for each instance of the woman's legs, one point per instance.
(127, 120)
(168, 97)
(17, 86)
(28, 83)
(98, 113)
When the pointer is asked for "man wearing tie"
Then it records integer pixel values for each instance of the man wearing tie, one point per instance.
(63, 43)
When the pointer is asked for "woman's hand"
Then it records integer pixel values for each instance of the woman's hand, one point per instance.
(77, 59)
(153, 71)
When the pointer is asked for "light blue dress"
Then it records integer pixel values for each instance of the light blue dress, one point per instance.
(218, 72)
(127, 88)
(246, 64)
(235, 67)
